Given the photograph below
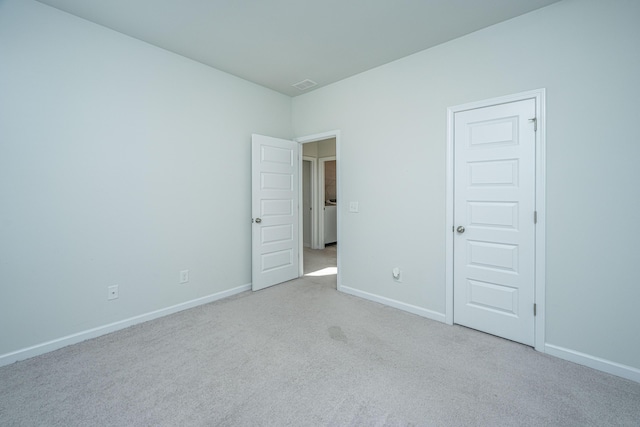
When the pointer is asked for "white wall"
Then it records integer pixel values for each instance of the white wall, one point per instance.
(120, 163)
(393, 118)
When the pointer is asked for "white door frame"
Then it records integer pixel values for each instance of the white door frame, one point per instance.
(314, 200)
(319, 137)
(540, 233)
(321, 201)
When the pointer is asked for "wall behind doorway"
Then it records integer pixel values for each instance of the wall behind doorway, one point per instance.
(330, 188)
(318, 149)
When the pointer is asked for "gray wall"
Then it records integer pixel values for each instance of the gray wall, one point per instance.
(393, 118)
(120, 163)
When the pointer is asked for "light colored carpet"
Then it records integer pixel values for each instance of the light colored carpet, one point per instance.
(300, 354)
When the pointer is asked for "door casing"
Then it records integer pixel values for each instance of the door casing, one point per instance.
(539, 271)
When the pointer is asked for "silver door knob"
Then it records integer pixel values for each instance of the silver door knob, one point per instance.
(258, 220)
(460, 229)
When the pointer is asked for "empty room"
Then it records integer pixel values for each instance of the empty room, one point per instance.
(292, 212)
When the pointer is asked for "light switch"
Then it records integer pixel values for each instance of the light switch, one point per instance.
(353, 207)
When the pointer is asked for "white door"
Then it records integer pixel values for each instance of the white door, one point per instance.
(494, 204)
(274, 205)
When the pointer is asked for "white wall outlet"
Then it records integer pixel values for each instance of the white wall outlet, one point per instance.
(112, 292)
(354, 207)
(184, 276)
(397, 274)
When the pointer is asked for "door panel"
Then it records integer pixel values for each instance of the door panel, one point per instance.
(274, 164)
(502, 299)
(493, 214)
(499, 173)
(494, 200)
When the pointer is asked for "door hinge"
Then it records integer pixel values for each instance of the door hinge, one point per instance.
(535, 217)
(535, 123)
(534, 309)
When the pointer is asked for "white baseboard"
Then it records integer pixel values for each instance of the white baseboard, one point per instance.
(604, 365)
(429, 314)
(48, 346)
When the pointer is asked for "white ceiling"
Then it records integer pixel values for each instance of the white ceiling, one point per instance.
(276, 43)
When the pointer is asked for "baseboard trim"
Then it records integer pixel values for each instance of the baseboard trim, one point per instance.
(48, 346)
(429, 314)
(604, 365)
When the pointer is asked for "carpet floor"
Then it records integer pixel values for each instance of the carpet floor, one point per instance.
(303, 354)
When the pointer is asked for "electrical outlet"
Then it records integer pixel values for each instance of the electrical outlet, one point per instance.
(184, 276)
(112, 292)
(397, 274)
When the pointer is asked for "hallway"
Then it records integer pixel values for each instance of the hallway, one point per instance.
(321, 263)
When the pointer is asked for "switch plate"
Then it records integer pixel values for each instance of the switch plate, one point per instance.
(112, 292)
(354, 207)
(184, 276)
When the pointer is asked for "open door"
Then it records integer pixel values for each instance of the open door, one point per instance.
(274, 211)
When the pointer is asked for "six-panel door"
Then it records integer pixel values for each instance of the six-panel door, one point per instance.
(494, 200)
(274, 210)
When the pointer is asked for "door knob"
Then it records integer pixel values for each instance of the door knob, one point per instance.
(460, 229)
(258, 220)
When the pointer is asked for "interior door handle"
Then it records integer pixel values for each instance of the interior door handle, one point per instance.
(460, 229)
(258, 220)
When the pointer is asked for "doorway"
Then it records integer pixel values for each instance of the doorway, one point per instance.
(320, 152)
(495, 217)
(319, 193)
(277, 243)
